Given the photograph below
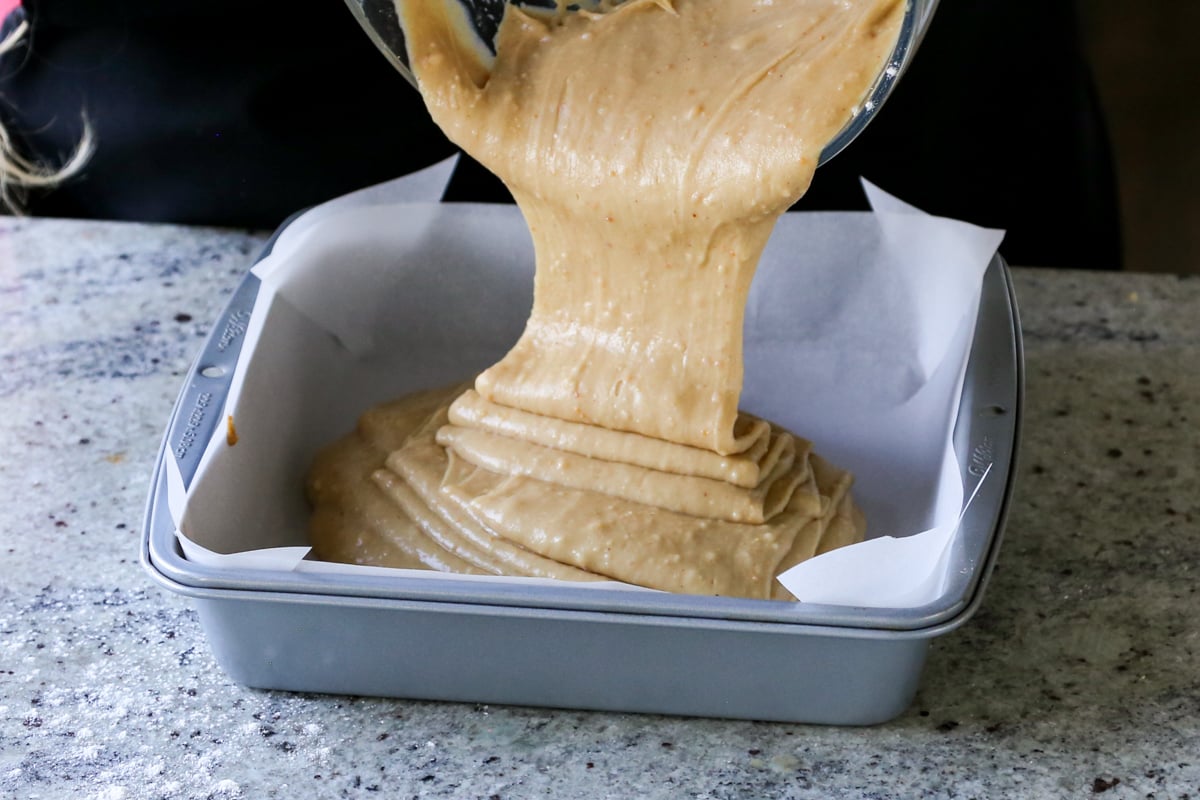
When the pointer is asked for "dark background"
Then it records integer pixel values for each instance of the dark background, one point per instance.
(1147, 68)
(1072, 125)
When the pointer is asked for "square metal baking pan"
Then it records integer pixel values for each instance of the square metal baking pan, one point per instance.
(586, 648)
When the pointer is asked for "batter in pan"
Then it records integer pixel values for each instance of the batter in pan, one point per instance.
(651, 146)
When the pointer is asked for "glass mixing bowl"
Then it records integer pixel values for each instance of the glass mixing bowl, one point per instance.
(379, 19)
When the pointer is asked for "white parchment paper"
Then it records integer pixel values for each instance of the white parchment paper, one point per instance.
(857, 334)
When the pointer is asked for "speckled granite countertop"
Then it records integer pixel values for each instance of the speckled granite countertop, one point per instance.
(1078, 677)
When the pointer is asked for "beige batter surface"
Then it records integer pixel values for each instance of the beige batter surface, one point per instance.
(651, 147)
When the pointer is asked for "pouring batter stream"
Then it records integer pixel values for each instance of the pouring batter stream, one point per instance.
(651, 146)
